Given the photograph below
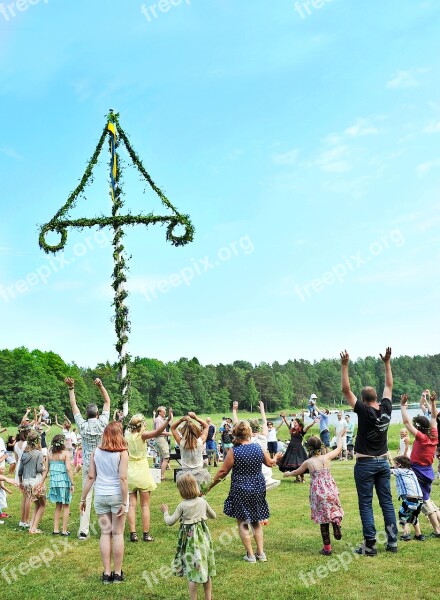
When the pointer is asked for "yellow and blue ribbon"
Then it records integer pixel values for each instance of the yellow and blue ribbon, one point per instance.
(113, 163)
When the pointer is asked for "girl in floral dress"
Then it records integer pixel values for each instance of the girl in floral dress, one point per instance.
(195, 552)
(324, 494)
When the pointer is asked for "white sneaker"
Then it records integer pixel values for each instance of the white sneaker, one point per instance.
(2, 522)
(23, 524)
(261, 557)
(271, 484)
(250, 559)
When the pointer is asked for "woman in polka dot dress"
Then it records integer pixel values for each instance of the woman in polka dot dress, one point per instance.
(246, 501)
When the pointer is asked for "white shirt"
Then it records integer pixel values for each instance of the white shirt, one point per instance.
(340, 425)
(271, 434)
(191, 459)
(107, 473)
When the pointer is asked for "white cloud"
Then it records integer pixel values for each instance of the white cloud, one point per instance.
(360, 128)
(426, 167)
(335, 160)
(433, 127)
(406, 79)
(287, 158)
(9, 151)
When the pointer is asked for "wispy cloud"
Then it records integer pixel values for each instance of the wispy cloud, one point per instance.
(433, 127)
(287, 158)
(406, 79)
(426, 167)
(360, 128)
(335, 160)
(9, 151)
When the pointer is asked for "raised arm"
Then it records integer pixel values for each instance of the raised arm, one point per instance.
(434, 410)
(345, 380)
(337, 451)
(388, 389)
(283, 416)
(71, 385)
(204, 424)
(104, 394)
(314, 422)
(25, 416)
(405, 416)
(176, 435)
(264, 429)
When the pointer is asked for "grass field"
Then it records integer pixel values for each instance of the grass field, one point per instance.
(51, 568)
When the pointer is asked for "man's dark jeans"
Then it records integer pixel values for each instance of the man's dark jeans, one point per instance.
(369, 474)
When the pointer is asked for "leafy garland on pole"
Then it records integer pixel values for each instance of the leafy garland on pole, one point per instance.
(60, 223)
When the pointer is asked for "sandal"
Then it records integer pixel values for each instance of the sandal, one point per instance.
(35, 531)
(147, 537)
(133, 536)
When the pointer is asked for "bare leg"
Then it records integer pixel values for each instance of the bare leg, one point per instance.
(66, 514)
(118, 525)
(243, 529)
(435, 522)
(207, 587)
(132, 512)
(257, 532)
(40, 507)
(417, 529)
(145, 511)
(163, 467)
(192, 590)
(56, 517)
(105, 542)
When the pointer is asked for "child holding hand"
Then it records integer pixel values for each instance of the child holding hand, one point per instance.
(195, 553)
(324, 494)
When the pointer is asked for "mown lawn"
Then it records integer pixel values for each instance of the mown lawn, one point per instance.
(294, 569)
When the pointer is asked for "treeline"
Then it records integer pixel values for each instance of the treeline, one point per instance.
(31, 378)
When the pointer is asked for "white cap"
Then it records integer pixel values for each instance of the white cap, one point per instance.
(313, 397)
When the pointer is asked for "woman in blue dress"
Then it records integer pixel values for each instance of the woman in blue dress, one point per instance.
(246, 501)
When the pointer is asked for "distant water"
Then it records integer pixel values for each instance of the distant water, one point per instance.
(396, 416)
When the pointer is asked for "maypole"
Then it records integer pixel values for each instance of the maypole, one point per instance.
(60, 223)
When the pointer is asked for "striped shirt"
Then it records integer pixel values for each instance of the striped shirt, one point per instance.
(406, 483)
(91, 431)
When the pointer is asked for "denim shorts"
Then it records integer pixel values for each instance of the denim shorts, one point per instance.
(325, 438)
(106, 504)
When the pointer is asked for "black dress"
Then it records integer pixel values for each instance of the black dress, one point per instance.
(295, 454)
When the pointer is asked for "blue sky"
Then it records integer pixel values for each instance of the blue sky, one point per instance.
(302, 138)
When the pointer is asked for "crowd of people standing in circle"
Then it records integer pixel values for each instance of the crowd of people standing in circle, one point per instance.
(114, 465)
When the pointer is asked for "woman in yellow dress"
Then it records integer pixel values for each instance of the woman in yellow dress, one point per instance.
(139, 476)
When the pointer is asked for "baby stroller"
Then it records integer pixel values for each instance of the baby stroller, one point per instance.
(350, 449)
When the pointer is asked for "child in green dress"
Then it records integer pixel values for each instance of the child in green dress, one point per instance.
(195, 552)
